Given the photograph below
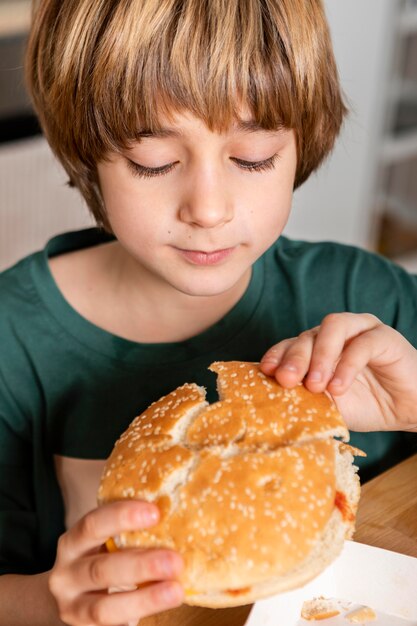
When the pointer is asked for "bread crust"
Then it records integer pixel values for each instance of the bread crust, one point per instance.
(246, 486)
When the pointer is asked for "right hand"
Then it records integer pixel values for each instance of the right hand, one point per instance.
(84, 570)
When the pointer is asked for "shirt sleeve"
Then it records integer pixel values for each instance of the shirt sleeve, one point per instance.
(336, 278)
(18, 521)
(376, 285)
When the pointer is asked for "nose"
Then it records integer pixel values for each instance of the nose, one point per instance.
(206, 202)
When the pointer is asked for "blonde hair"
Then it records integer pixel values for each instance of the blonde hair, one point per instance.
(99, 71)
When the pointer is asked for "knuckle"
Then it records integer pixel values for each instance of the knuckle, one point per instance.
(155, 597)
(275, 349)
(89, 526)
(284, 343)
(96, 572)
(55, 584)
(296, 351)
(308, 333)
(331, 319)
(373, 319)
(322, 353)
(320, 362)
(62, 545)
(149, 600)
(295, 356)
(56, 587)
(157, 565)
(98, 611)
(65, 615)
(347, 363)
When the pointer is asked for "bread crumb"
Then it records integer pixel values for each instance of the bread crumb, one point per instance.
(318, 609)
(361, 616)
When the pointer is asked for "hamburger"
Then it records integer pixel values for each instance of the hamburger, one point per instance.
(254, 490)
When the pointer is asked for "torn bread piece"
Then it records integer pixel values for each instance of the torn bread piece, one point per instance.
(319, 609)
(363, 615)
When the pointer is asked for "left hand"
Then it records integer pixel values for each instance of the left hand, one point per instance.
(368, 368)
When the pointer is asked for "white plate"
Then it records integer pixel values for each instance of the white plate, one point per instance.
(362, 575)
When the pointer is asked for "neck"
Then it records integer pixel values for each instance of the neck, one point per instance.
(159, 313)
(111, 290)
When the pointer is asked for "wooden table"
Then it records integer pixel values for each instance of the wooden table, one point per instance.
(387, 518)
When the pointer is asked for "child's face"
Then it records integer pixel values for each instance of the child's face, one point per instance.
(190, 210)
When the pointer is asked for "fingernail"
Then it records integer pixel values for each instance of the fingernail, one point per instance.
(290, 367)
(147, 516)
(336, 382)
(166, 567)
(172, 594)
(269, 362)
(315, 376)
(152, 514)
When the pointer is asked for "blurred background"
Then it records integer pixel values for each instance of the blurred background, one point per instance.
(365, 194)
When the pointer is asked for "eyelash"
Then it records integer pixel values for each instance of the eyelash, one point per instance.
(152, 172)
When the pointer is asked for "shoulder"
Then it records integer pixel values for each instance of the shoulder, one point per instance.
(330, 277)
(23, 324)
(17, 288)
(327, 258)
(318, 251)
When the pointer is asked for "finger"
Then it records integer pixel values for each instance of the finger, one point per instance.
(273, 356)
(334, 332)
(296, 360)
(360, 353)
(123, 569)
(107, 521)
(124, 607)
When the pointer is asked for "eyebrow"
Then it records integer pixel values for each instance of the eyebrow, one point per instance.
(242, 126)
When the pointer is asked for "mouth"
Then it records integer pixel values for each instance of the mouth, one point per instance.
(200, 257)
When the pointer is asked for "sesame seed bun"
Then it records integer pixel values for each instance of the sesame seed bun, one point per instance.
(254, 491)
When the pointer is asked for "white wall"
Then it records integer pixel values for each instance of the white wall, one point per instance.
(35, 201)
(336, 203)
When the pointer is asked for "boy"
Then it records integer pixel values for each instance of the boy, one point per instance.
(185, 125)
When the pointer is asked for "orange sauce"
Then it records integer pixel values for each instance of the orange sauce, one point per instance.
(238, 592)
(110, 545)
(341, 503)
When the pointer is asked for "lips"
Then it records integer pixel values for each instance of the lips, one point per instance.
(200, 257)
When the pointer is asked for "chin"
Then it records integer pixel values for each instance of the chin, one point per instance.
(203, 292)
(207, 286)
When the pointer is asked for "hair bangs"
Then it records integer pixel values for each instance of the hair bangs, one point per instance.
(102, 71)
(173, 56)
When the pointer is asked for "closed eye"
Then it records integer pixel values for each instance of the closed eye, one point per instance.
(257, 166)
(149, 172)
(249, 166)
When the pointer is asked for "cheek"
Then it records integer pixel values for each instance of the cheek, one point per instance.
(270, 205)
(130, 211)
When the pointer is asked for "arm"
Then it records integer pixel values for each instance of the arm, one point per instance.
(38, 608)
(369, 368)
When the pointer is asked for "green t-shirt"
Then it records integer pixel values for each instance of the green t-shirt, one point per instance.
(70, 388)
